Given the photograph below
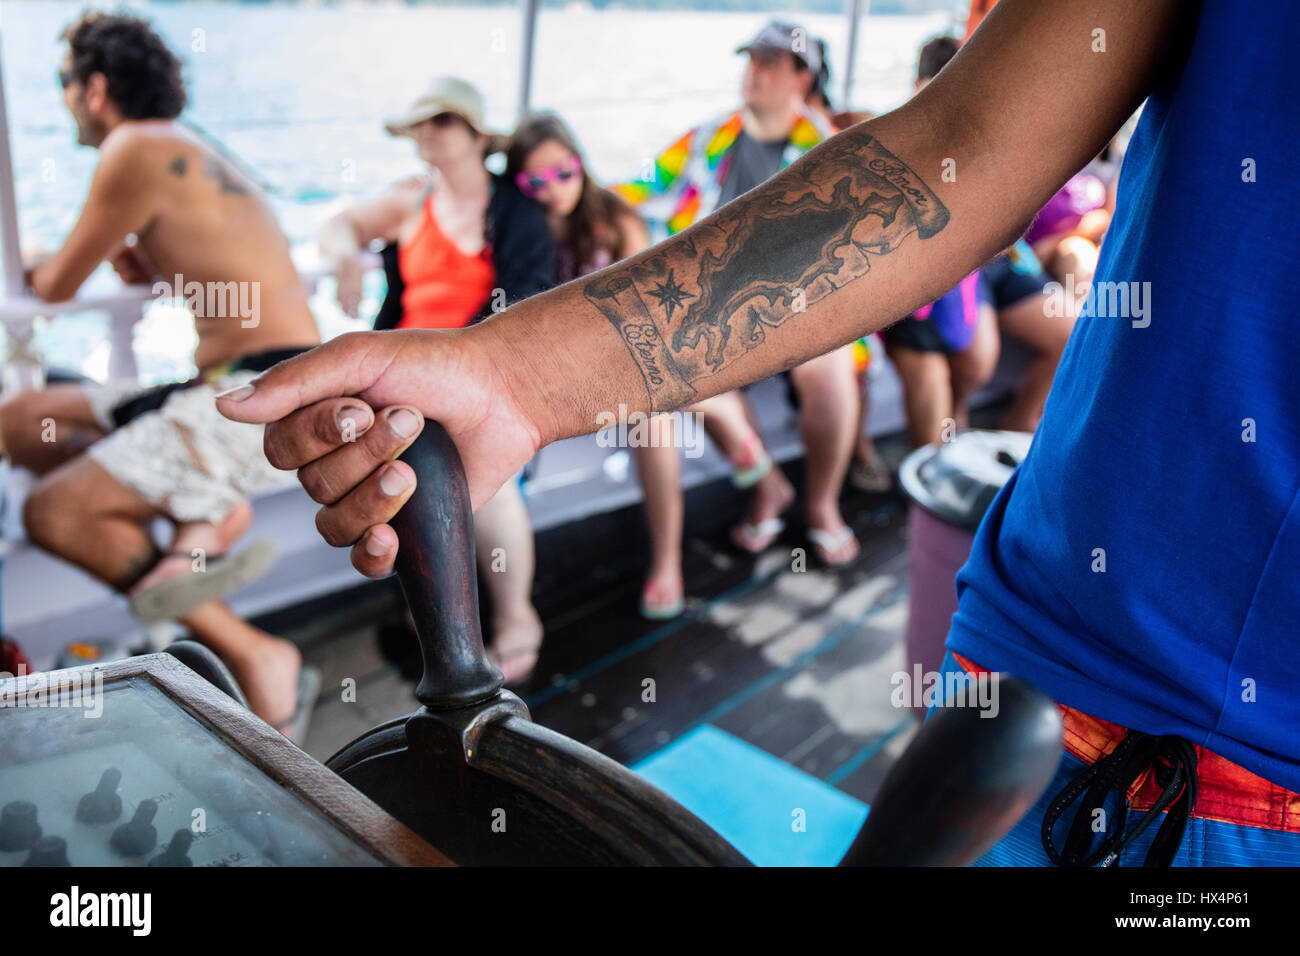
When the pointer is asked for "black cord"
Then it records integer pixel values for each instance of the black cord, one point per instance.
(1175, 765)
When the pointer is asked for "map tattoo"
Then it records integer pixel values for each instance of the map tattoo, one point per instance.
(753, 270)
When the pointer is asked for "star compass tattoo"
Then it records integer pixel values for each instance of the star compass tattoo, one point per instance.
(670, 295)
(759, 263)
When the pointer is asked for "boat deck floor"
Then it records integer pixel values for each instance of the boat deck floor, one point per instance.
(785, 663)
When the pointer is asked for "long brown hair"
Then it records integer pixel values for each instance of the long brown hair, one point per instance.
(593, 224)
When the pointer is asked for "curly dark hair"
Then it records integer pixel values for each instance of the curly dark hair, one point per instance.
(144, 77)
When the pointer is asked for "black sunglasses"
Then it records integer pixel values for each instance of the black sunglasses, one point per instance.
(66, 78)
(443, 120)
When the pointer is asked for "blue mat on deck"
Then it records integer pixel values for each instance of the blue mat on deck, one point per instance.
(751, 798)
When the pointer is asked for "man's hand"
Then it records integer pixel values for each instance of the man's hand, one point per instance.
(343, 412)
(131, 266)
(32, 261)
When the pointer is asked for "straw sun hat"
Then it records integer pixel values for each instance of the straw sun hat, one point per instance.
(446, 94)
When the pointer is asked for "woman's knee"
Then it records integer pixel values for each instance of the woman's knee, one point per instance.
(827, 382)
(921, 372)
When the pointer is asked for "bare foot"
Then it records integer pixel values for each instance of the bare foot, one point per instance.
(171, 565)
(772, 496)
(268, 676)
(516, 642)
(870, 475)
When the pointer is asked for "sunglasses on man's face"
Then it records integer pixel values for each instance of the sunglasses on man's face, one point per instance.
(443, 120)
(66, 78)
(533, 181)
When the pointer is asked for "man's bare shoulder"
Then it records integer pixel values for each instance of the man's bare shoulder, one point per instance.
(162, 153)
(147, 141)
(146, 157)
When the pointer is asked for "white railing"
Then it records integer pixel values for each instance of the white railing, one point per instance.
(124, 305)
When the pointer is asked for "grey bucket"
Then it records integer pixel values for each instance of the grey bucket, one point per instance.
(950, 486)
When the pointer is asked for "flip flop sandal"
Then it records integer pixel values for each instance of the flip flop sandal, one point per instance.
(663, 612)
(831, 543)
(173, 598)
(295, 726)
(873, 478)
(744, 535)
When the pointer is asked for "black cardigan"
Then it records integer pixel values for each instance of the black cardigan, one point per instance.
(523, 254)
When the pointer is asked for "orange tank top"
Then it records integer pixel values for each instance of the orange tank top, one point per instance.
(443, 288)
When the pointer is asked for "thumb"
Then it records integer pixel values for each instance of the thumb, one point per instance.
(347, 365)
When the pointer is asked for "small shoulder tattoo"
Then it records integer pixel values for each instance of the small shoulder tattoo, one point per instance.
(217, 170)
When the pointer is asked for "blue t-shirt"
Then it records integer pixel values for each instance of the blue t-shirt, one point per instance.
(1170, 444)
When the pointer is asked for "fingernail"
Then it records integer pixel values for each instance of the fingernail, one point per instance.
(392, 482)
(375, 547)
(403, 423)
(238, 393)
(358, 416)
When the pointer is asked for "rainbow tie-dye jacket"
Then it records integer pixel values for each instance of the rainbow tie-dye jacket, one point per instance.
(687, 177)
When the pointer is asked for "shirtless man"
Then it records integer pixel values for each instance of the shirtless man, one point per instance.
(113, 458)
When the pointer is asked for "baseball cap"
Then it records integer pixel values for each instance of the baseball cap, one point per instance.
(788, 38)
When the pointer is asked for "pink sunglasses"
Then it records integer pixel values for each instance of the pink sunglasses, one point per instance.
(532, 183)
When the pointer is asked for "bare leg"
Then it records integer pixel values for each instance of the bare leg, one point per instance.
(864, 450)
(503, 536)
(972, 367)
(210, 538)
(265, 666)
(927, 392)
(728, 423)
(828, 416)
(659, 470)
(46, 427)
(84, 515)
(1028, 321)
(866, 471)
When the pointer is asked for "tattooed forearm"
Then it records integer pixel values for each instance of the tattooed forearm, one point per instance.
(708, 296)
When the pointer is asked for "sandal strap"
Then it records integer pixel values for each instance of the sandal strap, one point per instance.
(768, 526)
(830, 543)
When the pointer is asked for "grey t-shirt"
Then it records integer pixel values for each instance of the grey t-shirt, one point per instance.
(752, 163)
